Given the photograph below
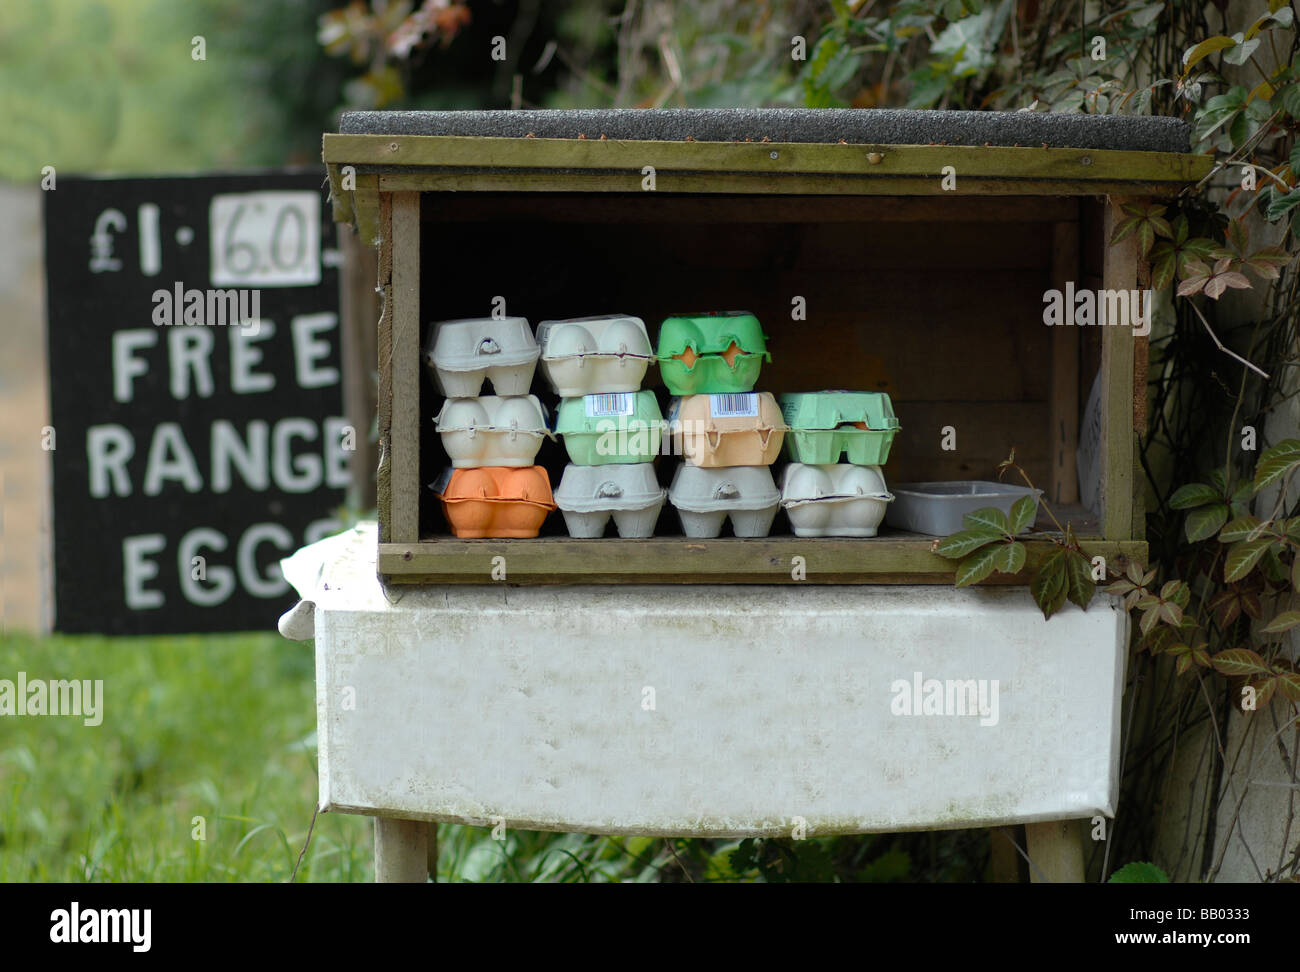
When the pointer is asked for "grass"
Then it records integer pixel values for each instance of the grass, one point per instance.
(213, 737)
(208, 737)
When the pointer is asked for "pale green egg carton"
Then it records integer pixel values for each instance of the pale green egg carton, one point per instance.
(611, 427)
(825, 425)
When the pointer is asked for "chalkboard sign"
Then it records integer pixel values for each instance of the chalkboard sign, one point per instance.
(195, 386)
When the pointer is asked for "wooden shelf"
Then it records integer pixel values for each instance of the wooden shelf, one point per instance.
(894, 557)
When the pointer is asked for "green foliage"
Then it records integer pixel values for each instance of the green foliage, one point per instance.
(1139, 872)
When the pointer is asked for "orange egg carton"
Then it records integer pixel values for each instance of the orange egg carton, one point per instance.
(497, 501)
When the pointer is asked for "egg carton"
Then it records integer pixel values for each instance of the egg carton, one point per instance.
(840, 500)
(460, 354)
(823, 426)
(720, 352)
(704, 498)
(586, 355)
(496, 501)
(589, 495)
(738, 429)
(492, 430)
(611, 427)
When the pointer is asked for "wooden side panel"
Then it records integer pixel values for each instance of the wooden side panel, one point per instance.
(1117, 356)
(1063, 420)
(384, 399)
(359, 314)
(405, 367)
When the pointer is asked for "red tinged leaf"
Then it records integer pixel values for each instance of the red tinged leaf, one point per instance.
(1235, 662)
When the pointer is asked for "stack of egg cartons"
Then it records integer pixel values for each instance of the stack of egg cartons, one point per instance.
(494, 488)
(823, 496)
(727, 433)
(610, 426)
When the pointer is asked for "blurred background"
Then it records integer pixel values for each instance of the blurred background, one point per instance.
(221, 729)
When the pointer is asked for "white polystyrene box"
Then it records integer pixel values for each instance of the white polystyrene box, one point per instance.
(462, 353)
(838, 500)
(735, 711)
(705, 497)
(593, 355)
(630, 493)
(492, 430)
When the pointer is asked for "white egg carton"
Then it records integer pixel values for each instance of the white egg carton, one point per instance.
(492, 430)
(461, 353)
(590, 355)
(705, 497)
(589, 495)
(838, 500)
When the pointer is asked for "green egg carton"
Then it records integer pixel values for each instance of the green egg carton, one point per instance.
(613, 427)
(702, 340)
(827, 424)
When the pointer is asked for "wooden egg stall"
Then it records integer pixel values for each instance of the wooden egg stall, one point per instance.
(777, 685)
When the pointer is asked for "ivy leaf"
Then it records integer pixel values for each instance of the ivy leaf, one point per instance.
(1124, 229)
(1192, 495)
(1290, 98)
(958, 545)
(1268, 262)
(1276, 462)
(1205, 522)
(1157, 641)
(1023, 511)
(1176, 592)
(1010, 558)
(1279, 204)
(1164, 261)
(1048, 586)
(1239, 661)
(1288, 684)
(977, 566)
(1283, 622)
(1238, 235)
(1078, 575)
(1204, 49)
(988, 518)
(1271, 566)
(1239, 529)
(1264, 689)
(1240, 500)
(1243, 557)
(1242, 51)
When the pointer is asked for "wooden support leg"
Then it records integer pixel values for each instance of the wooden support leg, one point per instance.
(1056, 849)
(401, 851)
(1004, 863)
(431, 855)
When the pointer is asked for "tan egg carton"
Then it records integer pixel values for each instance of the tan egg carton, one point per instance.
(733, 429)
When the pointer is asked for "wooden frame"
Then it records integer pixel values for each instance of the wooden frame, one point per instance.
(377, 182)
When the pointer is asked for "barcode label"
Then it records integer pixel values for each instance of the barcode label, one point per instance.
(610, 404)
(734, 406)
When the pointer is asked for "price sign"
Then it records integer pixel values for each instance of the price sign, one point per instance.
(195, 396)
(265, 239)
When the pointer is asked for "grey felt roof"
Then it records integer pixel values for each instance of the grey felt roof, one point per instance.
(864, 126)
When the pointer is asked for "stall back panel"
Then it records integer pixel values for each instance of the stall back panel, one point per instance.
(946, 318)
(648, 712)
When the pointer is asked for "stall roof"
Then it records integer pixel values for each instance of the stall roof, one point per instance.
(747, 151)
(793, 125)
